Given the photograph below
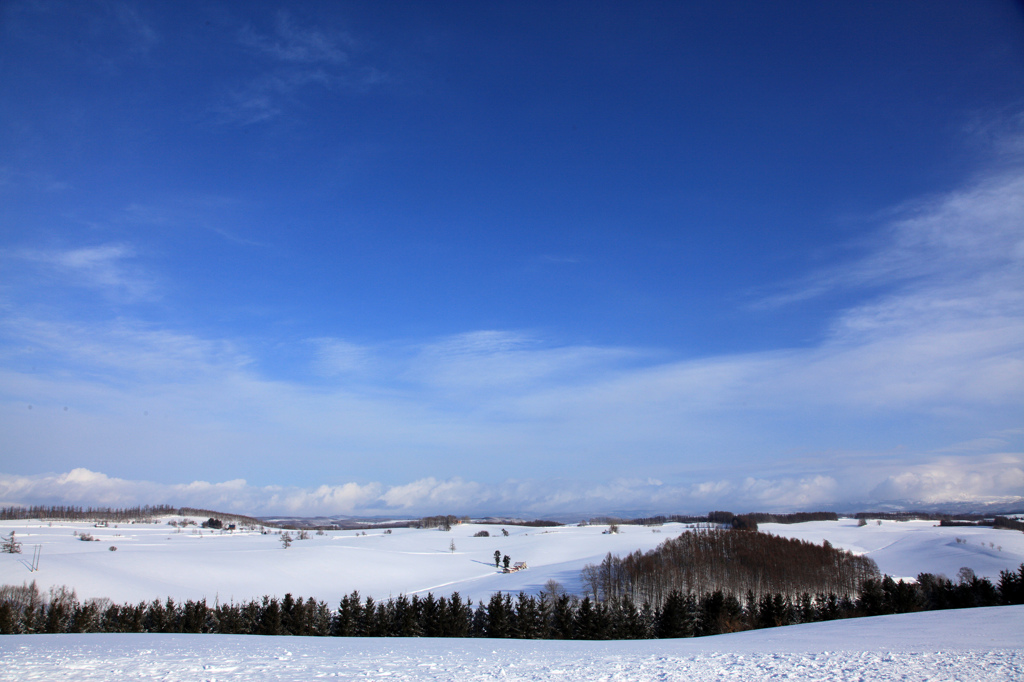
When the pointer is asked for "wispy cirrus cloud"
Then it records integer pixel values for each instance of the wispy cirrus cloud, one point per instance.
(296, 58)
(108, 268)
(962, 237)
(33, 181)
(108, 36)
(337, 357)
(139, 32)
(290, 43)
(216, 214)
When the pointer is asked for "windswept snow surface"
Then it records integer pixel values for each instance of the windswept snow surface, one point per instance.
(972, 644)
(157, 560)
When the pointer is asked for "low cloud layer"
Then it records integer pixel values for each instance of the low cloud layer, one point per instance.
(994, 480)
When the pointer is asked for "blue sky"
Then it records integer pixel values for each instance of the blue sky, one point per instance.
(360, 258)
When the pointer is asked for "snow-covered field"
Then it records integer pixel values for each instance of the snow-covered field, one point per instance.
(155, 560)
(158, 561)
(972, 644)
(903, 549)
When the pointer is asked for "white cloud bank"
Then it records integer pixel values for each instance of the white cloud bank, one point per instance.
(997, 479)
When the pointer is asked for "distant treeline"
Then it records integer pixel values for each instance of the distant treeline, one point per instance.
(719, 518)
(144, 514)
(798, 517)
(997, 522)
(536, 523)
(72, 513)
(551, 615)
(716, 518)
(444, 522)
(658, 520)
(237, 519)
(979, 519)
(447, 521)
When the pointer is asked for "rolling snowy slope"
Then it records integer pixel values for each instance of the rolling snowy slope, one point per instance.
(157, 560)
(972, 644)
(903, 549)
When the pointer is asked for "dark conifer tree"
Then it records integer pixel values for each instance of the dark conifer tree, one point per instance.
(8, 620)
(562, 617)
(193, 616)
(480, 621)
(585, 624)
(270, 617)
(528, 621)
(251, 614)
(172, 619)
(229, 618)
(347, 619)
(288, 624)
(1011, 586)
(457, 617)
(648, 621)
(497, 617)
(156, 617)
(806, 612)
(85, 618)
(713, 616)
(828, 607)
(368, 618)
(404, 616)
(767, 617)
(871, 601)
(672, 621)
(430, 623)
(847, 609)
(60, 611)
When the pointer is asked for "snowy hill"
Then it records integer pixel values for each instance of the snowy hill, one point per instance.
(903, 549)
(158, 560)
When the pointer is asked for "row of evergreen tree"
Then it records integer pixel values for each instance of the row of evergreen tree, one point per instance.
(994, 522)
(551, 615)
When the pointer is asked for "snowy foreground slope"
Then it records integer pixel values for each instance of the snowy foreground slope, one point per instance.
(155, 561)
(971, 644)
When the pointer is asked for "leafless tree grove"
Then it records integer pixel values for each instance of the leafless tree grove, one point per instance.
(735, 562)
